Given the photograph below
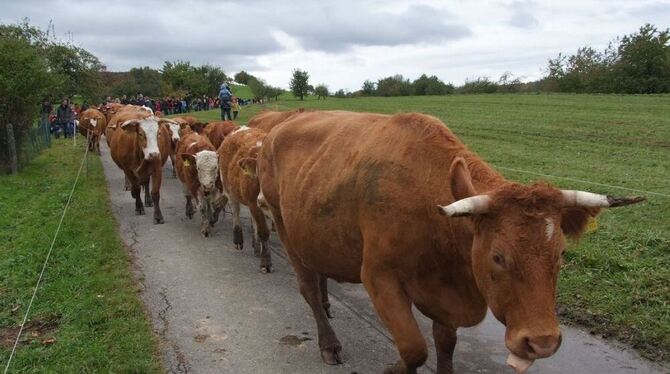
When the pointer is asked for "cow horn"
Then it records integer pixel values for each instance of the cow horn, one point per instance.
(472, 205)
(584, 199)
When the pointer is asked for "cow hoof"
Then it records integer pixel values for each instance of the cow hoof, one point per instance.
(265, 269)
(327, 310)
(139, 212)
(331, 356)
(159, 220)
(205, 233)
(189, 215)
(148, 204)
(239, 246)
(398, 368)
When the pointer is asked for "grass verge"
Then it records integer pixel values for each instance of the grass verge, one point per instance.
(87, 316)
(616, 282)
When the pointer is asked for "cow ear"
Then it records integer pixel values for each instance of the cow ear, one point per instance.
(130, 125)
(574, 220)
(187, 158)
(461, 181)
(248, 166)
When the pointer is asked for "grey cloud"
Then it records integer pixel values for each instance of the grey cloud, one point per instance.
(335, 28)
(521, 15)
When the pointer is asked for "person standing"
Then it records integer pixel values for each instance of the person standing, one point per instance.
(226, 102)
(235, 107)
(63, 115)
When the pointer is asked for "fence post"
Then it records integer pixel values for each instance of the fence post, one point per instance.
(11, 142)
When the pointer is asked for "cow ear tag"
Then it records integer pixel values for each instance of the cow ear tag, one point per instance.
(591, 225)
(187, 163)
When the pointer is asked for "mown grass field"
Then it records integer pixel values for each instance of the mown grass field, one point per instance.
(87, 317)
(616, 281)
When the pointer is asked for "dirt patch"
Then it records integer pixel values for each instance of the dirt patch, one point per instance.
(200, 338)
(293, 340)
(42, 330)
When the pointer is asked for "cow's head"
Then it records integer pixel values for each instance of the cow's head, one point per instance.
(207, 167)
(147, 135)
(174, 128)
(518, 244)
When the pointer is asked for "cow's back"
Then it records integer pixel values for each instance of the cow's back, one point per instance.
(239, 145)
(267, 120)
(346, 178)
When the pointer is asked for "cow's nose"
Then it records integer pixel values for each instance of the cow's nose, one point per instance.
(542, 346)
(154, 155)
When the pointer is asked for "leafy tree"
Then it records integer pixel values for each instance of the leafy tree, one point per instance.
(25, 80)
(201, 80)
(368, 88)
(640, 63)
(396, 85)
(643, 64)
(300, 83)
(144, 80)
(432, 85)
(321, 91)
(508, 83)
(478, 85)
(243, 77)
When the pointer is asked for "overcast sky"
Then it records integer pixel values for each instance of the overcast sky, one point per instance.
(341, 43)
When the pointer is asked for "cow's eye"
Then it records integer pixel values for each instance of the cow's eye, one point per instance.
(499, 259)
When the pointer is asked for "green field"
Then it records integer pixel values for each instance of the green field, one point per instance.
(86, 317)
(616, 281)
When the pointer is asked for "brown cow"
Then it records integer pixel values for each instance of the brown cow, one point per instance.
(92, 124)
(237, 165)
(198, 170)
(173, 128)
(269, 119)
(192, 122)
(354, 195)
(136, 149)
(217, 131)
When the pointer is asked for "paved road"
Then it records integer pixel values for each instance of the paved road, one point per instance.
(216, 313)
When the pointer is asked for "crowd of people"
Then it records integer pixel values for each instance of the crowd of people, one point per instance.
(61, 121)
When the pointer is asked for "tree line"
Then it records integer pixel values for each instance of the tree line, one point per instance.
(638, 63)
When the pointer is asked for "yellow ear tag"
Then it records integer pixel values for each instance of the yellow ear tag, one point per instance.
(591, 225)
(187, 163)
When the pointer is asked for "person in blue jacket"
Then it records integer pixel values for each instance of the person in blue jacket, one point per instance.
(226, 98)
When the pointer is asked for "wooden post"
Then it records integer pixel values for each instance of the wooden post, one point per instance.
(11, 142)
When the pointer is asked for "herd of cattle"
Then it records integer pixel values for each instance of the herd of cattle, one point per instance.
(395, 202)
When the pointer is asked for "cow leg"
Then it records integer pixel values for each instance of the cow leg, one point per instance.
(255, 241)
(261, 236)
(219, 205)
(97, 144)
(395, 309)
(445, 342)
(189, 202)
(310, 289)
(148, 201)
(238, 236)
(135, 192)
(128, 185)
(205, 213)
(156, 179)
(174, 167)
(323, 284)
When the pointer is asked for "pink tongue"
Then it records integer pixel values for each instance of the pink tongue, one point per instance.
(520, 365)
